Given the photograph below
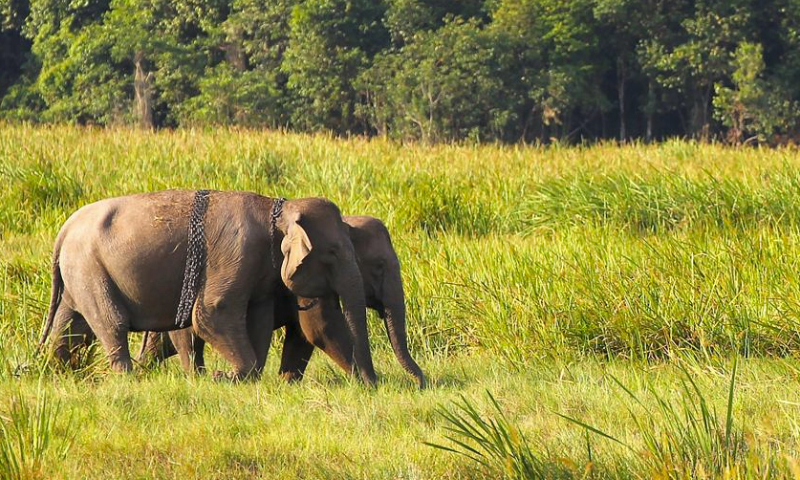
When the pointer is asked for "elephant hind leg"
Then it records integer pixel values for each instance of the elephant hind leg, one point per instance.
(156, 347)
(115, 343)
(73, 333)
(110, 321)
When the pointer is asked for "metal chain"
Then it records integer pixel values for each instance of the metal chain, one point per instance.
(277, 210)
(195, 259)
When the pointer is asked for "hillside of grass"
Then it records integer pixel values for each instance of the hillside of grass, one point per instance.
(589, 282)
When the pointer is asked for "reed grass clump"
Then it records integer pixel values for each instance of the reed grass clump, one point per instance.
(32, 432)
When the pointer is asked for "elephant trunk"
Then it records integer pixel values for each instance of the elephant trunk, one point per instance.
(351, 291)
(394, 318)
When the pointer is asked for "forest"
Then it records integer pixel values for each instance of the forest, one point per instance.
(426, 70)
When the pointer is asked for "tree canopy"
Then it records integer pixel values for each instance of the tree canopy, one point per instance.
(431, 70)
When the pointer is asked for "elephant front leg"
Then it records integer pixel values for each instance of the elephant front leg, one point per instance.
(260, 322)
(297, 352)
(198, 347)
(224, 326)
(325, 327)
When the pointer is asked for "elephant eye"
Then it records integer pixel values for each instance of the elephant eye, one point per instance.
(331, 255)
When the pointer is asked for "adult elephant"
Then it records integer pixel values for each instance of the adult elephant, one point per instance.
(119, 265)
(317, 322)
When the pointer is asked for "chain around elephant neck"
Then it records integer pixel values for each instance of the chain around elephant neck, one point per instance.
(195, 259)
(277, 211)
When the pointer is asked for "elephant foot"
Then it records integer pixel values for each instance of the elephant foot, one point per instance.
(220, 376)
(292, 377)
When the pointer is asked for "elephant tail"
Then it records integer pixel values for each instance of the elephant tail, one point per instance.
(57, 289)
(146, 344)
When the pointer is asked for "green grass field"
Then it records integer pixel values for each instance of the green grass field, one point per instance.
(633, 311)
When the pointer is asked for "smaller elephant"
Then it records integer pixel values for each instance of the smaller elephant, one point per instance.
(315, 322)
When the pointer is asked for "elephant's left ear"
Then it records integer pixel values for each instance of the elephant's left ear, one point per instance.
(296, 239)
(296, 245)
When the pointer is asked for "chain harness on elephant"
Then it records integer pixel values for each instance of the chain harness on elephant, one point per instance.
(277, 210)
(196, 255)
(195, 259)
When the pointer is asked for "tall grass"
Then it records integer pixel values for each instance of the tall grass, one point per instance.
(680, 436)
(639, 251)
(496, 444)
(687, 437)
(522, 267)
(32, 433)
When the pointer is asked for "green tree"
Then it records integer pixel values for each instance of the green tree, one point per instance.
(561, 71)
(623, 25)
(74, 80)
(442, 86)
(14, 49)
(407, 18)
(688, 61)
(753, 108)
(249, 87)
(18, 66)
(331, 42)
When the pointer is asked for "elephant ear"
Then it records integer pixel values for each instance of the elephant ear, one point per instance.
(296, 246)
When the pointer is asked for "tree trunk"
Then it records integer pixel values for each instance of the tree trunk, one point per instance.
(697, 118)
(233, 51)
(621, 96)
(649, 110)
(143, 92)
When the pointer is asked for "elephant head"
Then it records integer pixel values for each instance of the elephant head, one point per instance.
(318, 258)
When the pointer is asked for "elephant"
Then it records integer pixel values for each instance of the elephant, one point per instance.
(314, 323)
(119, 263)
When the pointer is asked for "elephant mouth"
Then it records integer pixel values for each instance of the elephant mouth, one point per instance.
(308, 286)
(308, 305)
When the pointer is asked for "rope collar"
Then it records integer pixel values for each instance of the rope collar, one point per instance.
(313, 303)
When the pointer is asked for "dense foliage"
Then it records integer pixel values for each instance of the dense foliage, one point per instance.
(433, 70)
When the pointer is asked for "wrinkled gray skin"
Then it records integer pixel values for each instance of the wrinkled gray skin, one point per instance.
(320, 326)
(118, 266)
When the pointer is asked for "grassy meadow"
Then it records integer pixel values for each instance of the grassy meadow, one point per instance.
(580, 312)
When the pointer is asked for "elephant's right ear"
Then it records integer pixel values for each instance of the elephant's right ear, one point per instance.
(295, 247)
